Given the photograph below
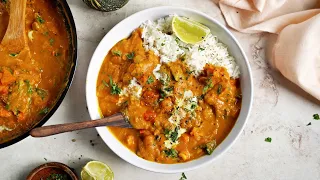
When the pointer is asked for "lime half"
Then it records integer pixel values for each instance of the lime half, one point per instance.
(95, 170)
(189, 31)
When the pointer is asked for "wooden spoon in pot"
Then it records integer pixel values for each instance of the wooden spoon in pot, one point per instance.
(116, 120)
(15, 39)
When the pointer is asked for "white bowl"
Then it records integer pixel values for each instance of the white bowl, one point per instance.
(123, 30)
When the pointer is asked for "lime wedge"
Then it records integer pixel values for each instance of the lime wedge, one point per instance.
(95, 170)
(189, 31)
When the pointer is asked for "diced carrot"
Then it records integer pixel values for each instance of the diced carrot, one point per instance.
(7, 78)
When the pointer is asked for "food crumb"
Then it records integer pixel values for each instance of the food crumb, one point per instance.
(309, 124)
(73, 140)
(45, 159)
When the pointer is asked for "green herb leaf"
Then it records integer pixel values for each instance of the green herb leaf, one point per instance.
(150, 80)
(174, 134)
(130, 56)
(13, 54)
(166, 132)
(171, 153)
(56, 54)
(117, 53)
(207, 86)
(114, 87)
(28, 86)
(177, 40)
(162, 44)
(7, 106)
(41, 92)
(268, 139)
(105, 83)
(183, 176)
(51, 41)
(169, 89)
(316, 117)
(201, 49)
(57, 177)
(209, 147)
(44, 111)
(219, 90)
(39, 19)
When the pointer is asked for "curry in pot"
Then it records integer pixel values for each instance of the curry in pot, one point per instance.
(29, 88)
(179, 117)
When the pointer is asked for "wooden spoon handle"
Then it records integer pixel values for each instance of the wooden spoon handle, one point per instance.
(15, 37)
(115, 120)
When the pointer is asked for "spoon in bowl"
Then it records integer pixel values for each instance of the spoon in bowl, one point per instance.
(116, 120)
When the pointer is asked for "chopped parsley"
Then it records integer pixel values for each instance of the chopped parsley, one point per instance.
(57, 177)
(219, 90)
(42, 93)
(171, 153)
(56, 54)
(130, 56)
(169, 89)
(7, 106)
(309, 124)
(201, 49)
(189, 72)
(177, 40)
(117, 53)
(174, 134)
(150, 80)
(162, 44)
(51, 41)
(183, 176)
(268, 139)
(207, 86)
(28, 86)
(13, 54)
(39, 19)
(114, 87)
(44, 111)
(209, 147)
(105, 83)
(316, 117)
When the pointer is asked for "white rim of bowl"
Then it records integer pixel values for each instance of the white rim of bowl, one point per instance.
(237, 134)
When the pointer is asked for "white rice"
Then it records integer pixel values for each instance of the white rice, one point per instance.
(158, 37)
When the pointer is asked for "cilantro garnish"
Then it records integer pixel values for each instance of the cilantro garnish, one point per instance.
(316, 117)
(114, 87)
(268, 139)
(171, 153)
(183, 176)
(117, 53)
(150, 80)
(130, 56)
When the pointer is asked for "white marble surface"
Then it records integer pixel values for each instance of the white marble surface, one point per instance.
(280, 110)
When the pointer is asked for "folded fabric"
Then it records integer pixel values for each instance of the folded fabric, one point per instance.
(296, 53)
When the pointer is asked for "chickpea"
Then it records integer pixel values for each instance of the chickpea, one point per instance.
(167, 105)
(148, 140)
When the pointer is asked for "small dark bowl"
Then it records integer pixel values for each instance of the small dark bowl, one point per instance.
(71, 29)
(62, 167)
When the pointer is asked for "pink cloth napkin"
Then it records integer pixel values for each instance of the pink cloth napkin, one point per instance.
(296, 53)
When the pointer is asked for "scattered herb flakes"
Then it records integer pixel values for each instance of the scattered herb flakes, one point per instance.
(207, 86)
(114, 87)
(117, 53)
(51, 41)
(7, 106)
(189, 72)
(316, 117)
(150, 80)
(201, 49)
(45, 159)
(166, 132)
(171, 153)
(57, 177)
(130, 56)
(40, 19)
(309, 124)
(57, 54)
(169, 89)
(183, 176)
(105, 83)
(268, 139)
(177, 40)
(174, 135)
(42, 93)
(162, 44)
(44, 111)
(46, 33)
(28, 86)
(73, 140)
(13, 54)
(219, 90)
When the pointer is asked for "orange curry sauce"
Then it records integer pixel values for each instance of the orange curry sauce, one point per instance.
(30, 87)
(219, 103)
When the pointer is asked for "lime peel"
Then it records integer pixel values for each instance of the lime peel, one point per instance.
(189, 31)
(95, 170)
